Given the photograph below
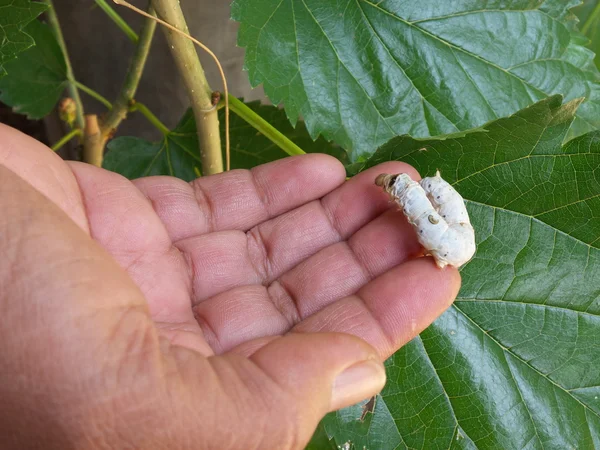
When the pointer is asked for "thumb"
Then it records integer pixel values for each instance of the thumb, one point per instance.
(294, 380)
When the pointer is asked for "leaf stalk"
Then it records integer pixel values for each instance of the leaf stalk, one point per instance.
(143, 109)
(118, 20)
(92, 93)
(66, 138)
(592, 18)
(264, 127)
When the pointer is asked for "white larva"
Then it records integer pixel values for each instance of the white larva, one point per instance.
(438, 214)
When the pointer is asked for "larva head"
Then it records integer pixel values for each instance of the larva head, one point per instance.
(386, 181)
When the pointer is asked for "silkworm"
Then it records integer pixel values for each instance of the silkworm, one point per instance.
(438, 214)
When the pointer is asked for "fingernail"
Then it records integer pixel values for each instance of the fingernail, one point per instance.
(356, 383)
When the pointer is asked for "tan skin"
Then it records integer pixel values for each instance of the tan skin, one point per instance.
(232, 312)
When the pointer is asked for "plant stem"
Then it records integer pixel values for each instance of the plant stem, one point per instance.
(121, 105)
(66, 138)
(72, 87)
(143, 109)
(265, 128)
(93, 147)
(137, 106)
(591, 19)
(194, 79)
(94, 94)
(118, 20)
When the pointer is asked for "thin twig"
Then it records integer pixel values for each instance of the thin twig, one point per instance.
(143, 109)
(92, 93)
(121, 105)
(66, 138)
(118, 20)
(92, 141)
(264, 127)
(72, 87)
(185, 56)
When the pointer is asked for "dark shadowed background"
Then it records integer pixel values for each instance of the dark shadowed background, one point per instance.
(100, 54)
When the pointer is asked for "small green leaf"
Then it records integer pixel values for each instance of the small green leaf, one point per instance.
(363, 71)
(177, 154)
(38, 77)
(514, 362)
(14, 15)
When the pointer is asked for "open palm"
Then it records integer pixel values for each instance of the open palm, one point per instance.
(231, 262)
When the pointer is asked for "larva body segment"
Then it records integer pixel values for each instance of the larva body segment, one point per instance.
(444, 198)
(438, 214)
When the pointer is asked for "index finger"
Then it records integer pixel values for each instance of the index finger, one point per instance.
(393, 308)
(241, 199)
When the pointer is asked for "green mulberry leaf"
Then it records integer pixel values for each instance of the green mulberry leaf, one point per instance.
(360, 72)
(38, 77)
(14, 15)
(513, 363)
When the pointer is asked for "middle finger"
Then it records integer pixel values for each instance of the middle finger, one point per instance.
(339, 270)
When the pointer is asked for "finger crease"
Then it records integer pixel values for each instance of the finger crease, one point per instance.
(388, 340)
(261, 264)
(205, 205)
(364, 269)
(333, 222)
(261, 193)
(84, 203)
(209, 333)
(286, 303)
(191, 270)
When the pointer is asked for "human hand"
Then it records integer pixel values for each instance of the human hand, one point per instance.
(229, 313)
